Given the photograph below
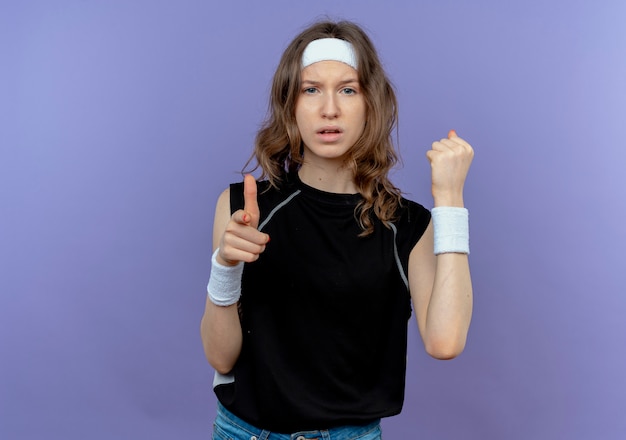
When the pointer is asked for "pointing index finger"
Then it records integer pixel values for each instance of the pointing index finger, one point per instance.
(250, 203)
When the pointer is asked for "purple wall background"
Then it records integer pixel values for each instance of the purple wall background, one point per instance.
(121, 121)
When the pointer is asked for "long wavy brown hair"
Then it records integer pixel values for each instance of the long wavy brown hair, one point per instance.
(278, 146)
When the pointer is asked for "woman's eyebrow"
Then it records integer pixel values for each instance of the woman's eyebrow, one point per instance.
(342, 82)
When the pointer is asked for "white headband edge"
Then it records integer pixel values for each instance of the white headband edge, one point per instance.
(329, 49)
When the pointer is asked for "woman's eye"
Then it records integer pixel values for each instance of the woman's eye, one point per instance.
(348, 91)
(309, 90)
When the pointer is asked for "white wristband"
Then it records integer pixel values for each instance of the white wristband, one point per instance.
(451, 229)
(224, 288)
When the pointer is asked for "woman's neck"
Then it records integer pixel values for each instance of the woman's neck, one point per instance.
(336, 180)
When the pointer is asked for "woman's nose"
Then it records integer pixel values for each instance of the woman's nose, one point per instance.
(330, 108)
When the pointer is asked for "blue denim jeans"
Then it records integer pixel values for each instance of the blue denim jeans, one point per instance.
(228, 426)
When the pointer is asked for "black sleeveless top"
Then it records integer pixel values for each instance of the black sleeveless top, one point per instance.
(323, 313)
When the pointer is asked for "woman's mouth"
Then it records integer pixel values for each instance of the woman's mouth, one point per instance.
(329, 134)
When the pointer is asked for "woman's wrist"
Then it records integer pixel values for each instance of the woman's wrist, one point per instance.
(224, 288)
(449, 199)
(451, 229)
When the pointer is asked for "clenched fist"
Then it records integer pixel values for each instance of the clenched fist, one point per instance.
(450, 160)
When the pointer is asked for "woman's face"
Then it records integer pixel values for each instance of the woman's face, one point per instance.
(330, 110)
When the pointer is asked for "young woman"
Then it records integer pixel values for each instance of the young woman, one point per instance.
(307, 331)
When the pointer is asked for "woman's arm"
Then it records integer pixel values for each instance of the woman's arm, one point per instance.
(441, 286)
(238, 240)
(220, 327)
(441, 289)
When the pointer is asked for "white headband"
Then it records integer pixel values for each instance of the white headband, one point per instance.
(329, 49)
